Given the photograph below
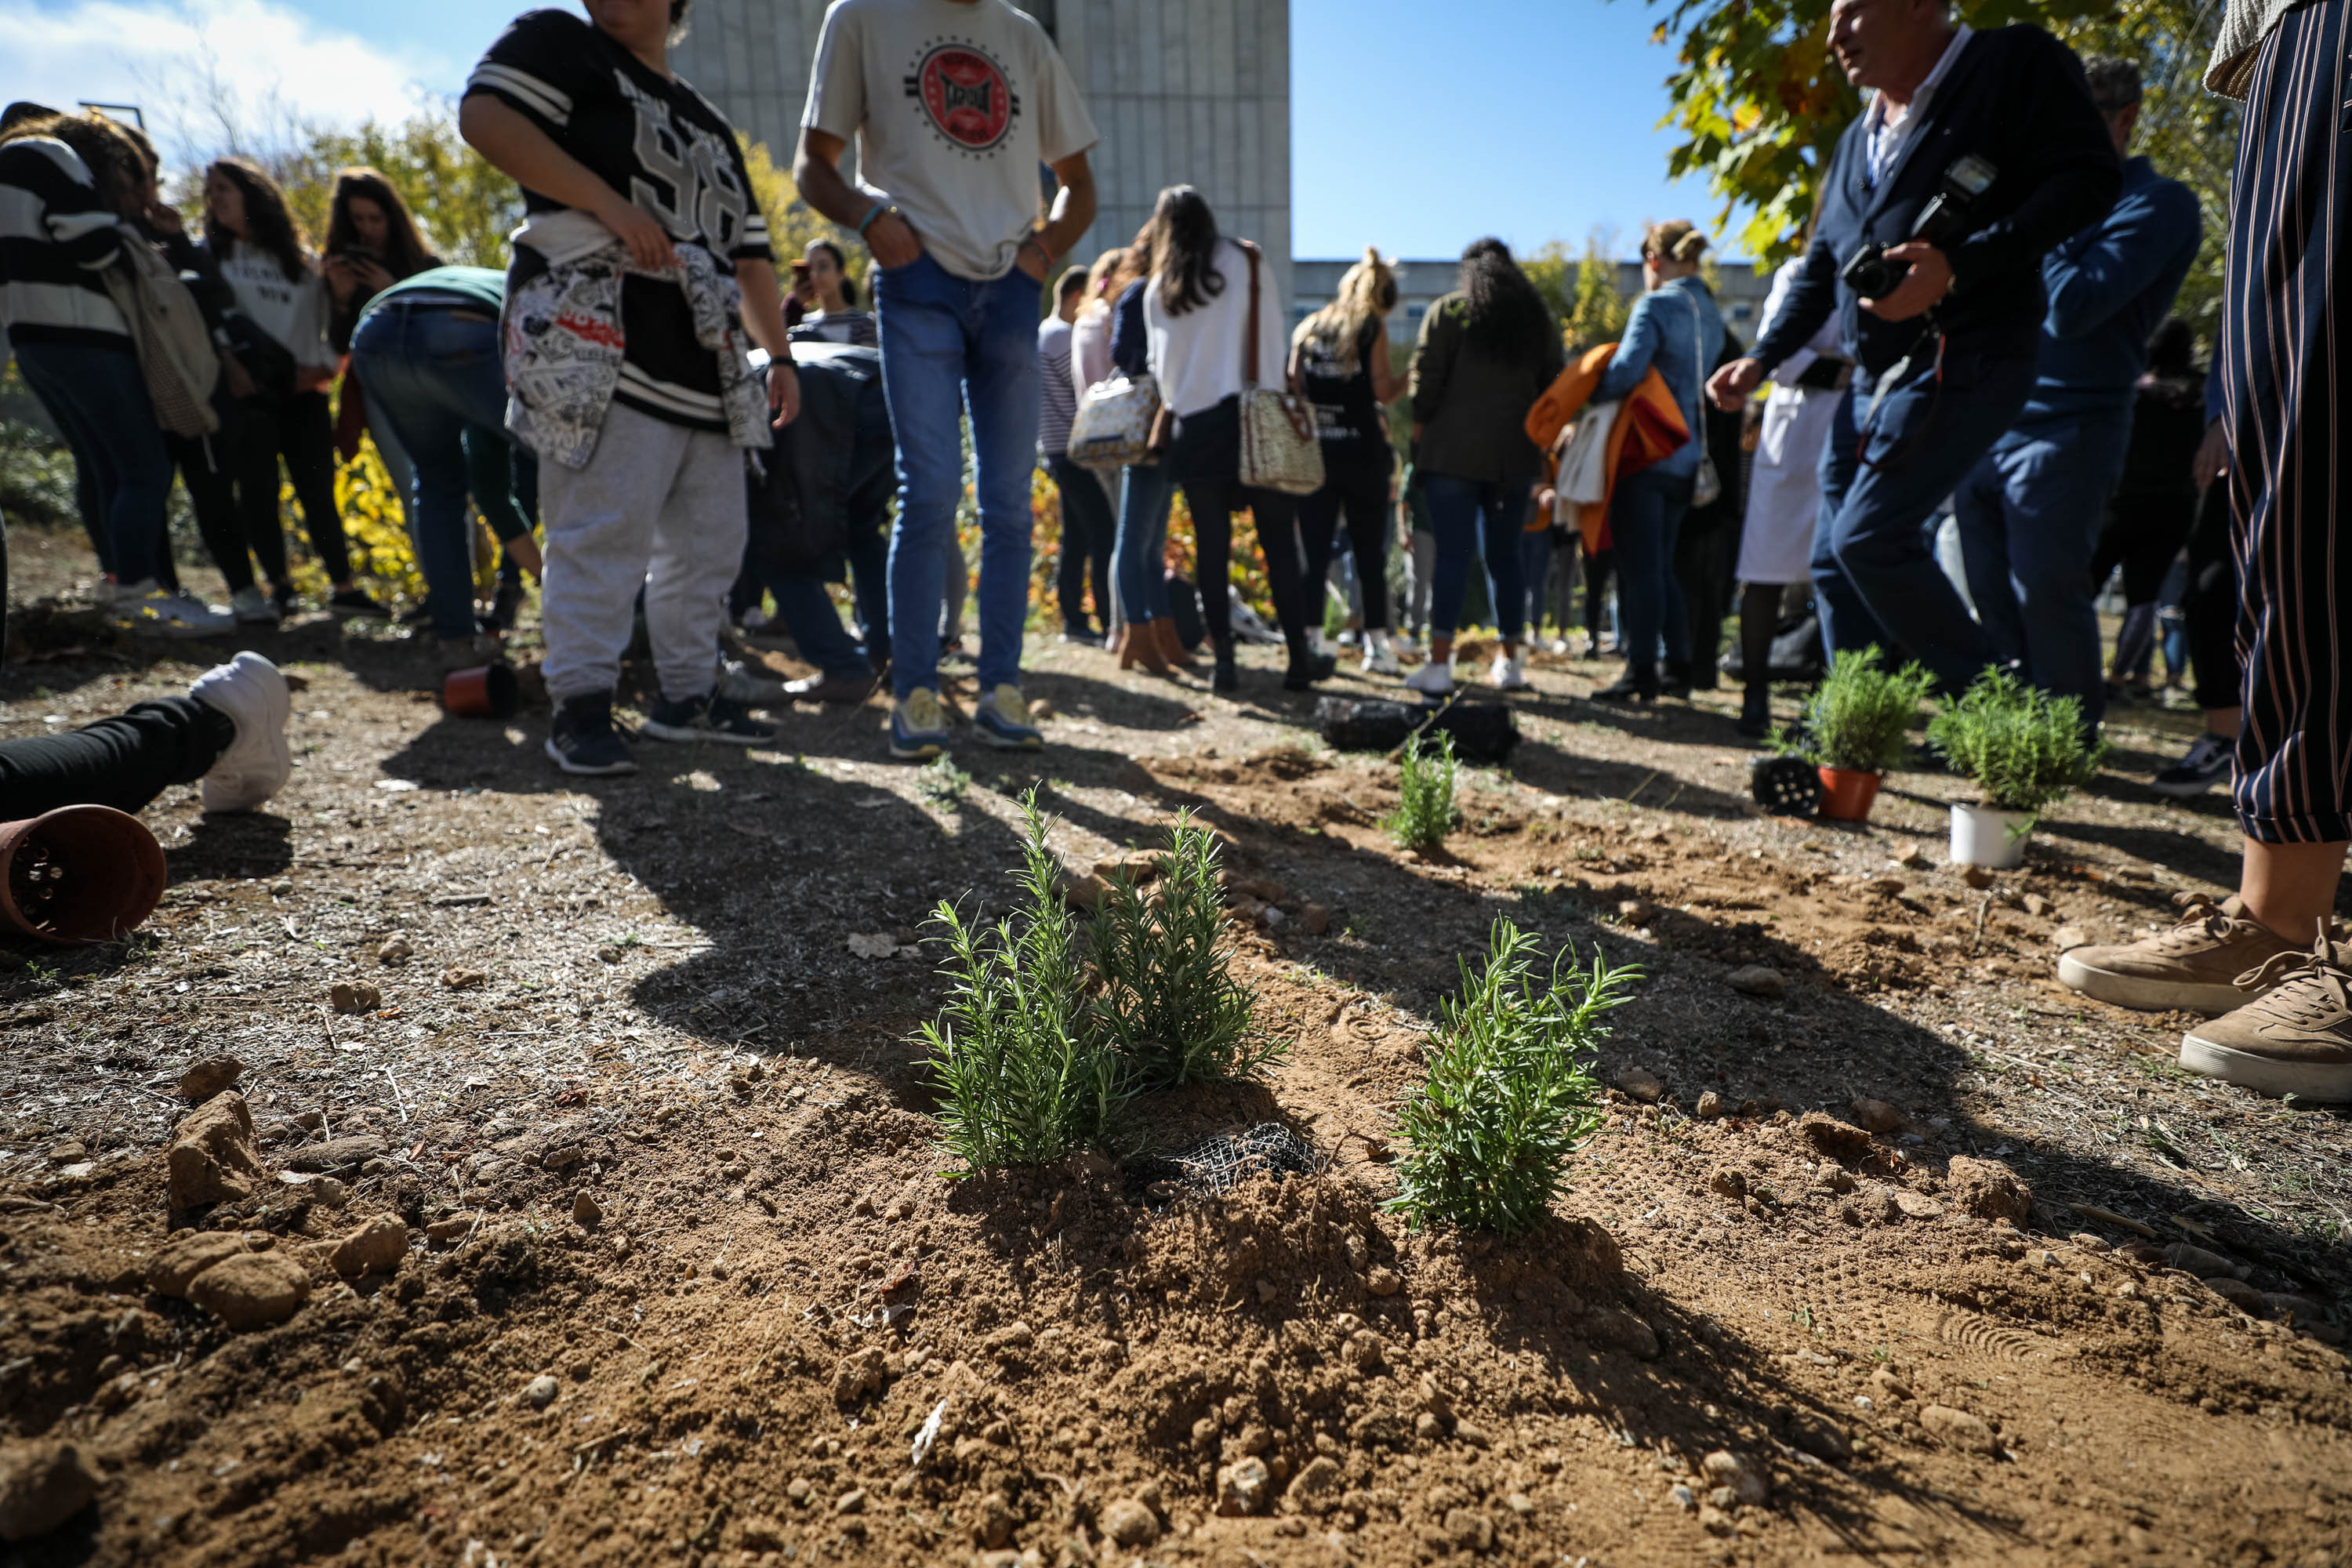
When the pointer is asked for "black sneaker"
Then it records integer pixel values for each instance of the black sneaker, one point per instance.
(505, 604)
(583, 740)
(709, 717)
(2207, 765)
(356, 603)
(282, 595)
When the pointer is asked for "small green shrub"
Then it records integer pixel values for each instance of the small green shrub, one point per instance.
(1168, 996)
(1510, 1092)
(2025, 748)
(1857, 717)
(941, 783)
(1023, 1075)
(1426, 811)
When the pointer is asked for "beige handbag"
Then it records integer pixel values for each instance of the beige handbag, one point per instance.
(168, 333)
(1280, 451)
(1114, 423)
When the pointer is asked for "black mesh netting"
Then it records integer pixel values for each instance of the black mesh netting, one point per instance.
(1220, 1163)
(1785, 786)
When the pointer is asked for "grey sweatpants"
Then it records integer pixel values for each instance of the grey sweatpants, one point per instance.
(658, 504)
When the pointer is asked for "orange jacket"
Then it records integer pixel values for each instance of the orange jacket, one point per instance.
(1649, 429)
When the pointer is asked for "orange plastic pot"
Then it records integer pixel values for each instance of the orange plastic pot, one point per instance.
(485, 691)
(1847, 793)
(79, 874)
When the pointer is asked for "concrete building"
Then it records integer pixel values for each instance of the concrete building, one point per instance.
(1183, 90)
(1421, 283)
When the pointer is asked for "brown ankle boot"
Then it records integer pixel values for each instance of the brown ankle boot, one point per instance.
(1172, 646)
(1137, 645)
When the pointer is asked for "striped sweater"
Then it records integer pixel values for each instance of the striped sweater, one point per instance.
(58, 236)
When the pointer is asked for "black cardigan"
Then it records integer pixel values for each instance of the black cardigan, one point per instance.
(2016, 98)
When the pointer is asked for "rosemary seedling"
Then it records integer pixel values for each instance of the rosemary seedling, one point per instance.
(1024, 1075)
(1425, 812)
(1168, 996)
(1510, 1092)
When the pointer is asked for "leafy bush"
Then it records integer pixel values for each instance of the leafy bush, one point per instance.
(2023, 747)
(941, 783)
(1168, 996)
(1425, 812)
(1510, 1092)
(1857, 717)
(1024, 1077)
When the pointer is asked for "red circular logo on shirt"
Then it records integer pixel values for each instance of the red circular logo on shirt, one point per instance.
(966, 95)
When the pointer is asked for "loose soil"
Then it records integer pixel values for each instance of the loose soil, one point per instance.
(658, 1136)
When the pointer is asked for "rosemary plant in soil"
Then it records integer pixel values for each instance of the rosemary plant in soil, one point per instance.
(1168, 996)
(1425, 812)
(1510, 1093)
(1024, 1074)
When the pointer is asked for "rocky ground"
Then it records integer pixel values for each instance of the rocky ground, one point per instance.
(599, 1215)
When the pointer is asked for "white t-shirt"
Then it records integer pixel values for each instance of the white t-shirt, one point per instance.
(954, 104)
(295, 314)
(1197, 357)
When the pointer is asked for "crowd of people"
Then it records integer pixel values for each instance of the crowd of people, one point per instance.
(1976, 341)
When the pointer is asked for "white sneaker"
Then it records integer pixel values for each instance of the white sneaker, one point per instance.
(149, 609)
(257, 764)
(253, 607)
(1510, 673)
(1431, 679)
(1378, 658)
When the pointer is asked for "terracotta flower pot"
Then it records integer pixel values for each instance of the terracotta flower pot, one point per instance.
(485, 691)
(79, 874)
(1847, 793)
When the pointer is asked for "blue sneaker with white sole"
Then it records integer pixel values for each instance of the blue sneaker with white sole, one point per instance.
(1003, 721)
(919, 726)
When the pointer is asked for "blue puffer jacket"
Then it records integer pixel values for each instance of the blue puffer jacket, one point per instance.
(1678, 329)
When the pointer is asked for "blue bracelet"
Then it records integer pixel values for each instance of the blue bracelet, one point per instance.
(876, 210)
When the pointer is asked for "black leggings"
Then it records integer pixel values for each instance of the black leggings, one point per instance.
(124, 761)
(208, 467)
(2209, 610)
(1205, 459)
(2143, 532)
(1358, 485)
(301, 430)
(1598, 567)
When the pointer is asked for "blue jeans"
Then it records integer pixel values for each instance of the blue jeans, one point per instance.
(1535, 571)
(2029, 514)
(1645, 515)
(435, 374)
(1140, 563)
(1464, 515)
(944, 338)
(98, 395)
(1874, 574)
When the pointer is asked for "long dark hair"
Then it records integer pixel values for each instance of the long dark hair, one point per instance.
(1182, 239)
(270, 226)
(114, 161)
(1506, 315)
(840, 265)
(403, 251)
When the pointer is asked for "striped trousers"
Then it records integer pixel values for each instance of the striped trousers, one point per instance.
(2287, 373)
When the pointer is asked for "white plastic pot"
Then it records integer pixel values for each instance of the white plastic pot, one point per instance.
(1983, 837)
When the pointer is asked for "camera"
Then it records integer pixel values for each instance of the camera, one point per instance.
(1945, 221)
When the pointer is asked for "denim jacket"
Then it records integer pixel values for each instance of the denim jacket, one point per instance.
(1665, 324)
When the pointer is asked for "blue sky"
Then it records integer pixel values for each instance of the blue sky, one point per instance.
(1416, 128)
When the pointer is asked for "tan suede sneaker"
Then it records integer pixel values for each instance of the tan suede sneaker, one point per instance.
(2295, 1039)
(2195, 967)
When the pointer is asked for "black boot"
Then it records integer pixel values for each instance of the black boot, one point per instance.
(1756, 712)
(1638, 684)
(1224, 678)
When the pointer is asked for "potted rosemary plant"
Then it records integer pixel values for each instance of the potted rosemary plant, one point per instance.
(2024, 750)
(1853, 729)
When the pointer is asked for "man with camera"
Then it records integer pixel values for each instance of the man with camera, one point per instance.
(2030, 511)
(1977, 152)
